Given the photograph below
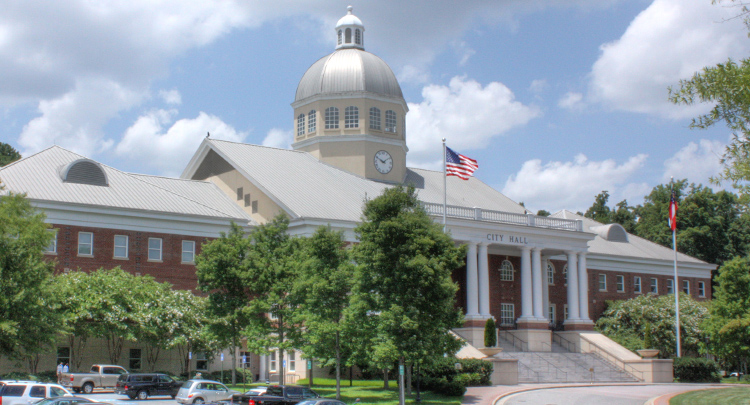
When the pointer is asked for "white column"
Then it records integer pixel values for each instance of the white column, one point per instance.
(262, 372)
(484, 282)
(472, 296)
(545, 288)
(536, 270)
(526, 291)
(583, 287)
(573, 313)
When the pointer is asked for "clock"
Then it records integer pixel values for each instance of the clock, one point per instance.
(383, 162)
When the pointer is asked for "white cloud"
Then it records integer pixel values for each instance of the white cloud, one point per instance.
(465, 113)
(168, 151)
(171, 96)
(696, 162)
(538, 85)
(462, 50)
(413, 75)
(571, 100)
(571, 185)
(278, 138)
(669, 41)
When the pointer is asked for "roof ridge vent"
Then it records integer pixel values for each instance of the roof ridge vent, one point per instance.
(611, 232)
(84, 171)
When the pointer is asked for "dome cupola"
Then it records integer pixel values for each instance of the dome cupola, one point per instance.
(350, 33)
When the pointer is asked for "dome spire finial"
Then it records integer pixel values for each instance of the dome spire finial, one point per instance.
(349, 10)
(350, 31)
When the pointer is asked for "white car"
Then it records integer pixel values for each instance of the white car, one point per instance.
(202, 391)
(27, 392)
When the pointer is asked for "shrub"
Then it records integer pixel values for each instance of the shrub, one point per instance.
(47, 376)
(692, 369)
(441, 385)
(442, 377)
(19, 375)
(648, 340)
(490, 333)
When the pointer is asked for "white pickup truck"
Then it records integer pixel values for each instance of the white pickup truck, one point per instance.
(100, 376)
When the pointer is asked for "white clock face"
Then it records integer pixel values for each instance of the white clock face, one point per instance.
(383, 162)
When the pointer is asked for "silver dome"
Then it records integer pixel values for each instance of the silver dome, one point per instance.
(347, 71)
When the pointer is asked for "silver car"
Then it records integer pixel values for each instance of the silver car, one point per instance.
(202, 391)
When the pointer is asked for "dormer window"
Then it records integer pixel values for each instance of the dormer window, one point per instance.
(85, 171)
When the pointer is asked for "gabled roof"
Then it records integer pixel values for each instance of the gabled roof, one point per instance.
(634, 246)
(40, 176)
(308, 188)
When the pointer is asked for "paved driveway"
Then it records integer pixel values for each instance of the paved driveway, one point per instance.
(111, 397)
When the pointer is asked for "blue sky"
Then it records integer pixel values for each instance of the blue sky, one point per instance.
(557, 99)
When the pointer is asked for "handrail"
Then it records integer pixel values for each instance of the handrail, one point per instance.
(568, 342)
(617, 362)
(513, 342)
(549, 364)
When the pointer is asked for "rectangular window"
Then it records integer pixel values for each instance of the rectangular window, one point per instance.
(292, 361)
(247, 200)
(188, 251)
(63, 355)
(121, 247)
(351, 117)
(550, 275)
(602, 282)
(201, 362)
(565, 310)
(273, 362)
(375, 118)
(686, 286)
(620, 283)
(135, 359)
(701, 289)
(52, 247)
(552, 313)
(637, 285)
(85, 244)
(311, 121)
(565, 274)
(390, 121)
(255, 207)
(301, 125)
(240, 193)
(507, 314)
(654, 286)
(670, 286)
(332, 118)
(154, 249)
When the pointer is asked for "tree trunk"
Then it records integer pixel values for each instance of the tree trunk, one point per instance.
(338, 368)
(408, 379)
(385, 378)
(281, 349)
(234, 360)
(351, 376)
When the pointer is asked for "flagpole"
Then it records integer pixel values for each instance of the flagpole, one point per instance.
(445, 188)
(676, 284)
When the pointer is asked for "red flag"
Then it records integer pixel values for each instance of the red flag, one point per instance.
(673, 212)
(459, 165)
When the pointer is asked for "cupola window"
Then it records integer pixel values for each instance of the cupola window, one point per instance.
(301, 125)
(375, 118)
(348, 36)
(339, 42)
(357, 37)
(351, 117)
(332, 118)
(390, 121)
(311, 121)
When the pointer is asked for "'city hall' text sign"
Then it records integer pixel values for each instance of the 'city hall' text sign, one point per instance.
(498, 237)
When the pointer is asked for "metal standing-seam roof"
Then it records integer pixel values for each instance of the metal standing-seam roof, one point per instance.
(634, 246)
(39, 176)
(309, 188)
(346, 71)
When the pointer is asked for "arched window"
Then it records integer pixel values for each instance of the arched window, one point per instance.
(357, 37)
(332, 118)
(506, 271)
(550, 273)
(339, 37)
(348, 36)
(301, 125)
(351, 117)
(311, 121)
(375, 118)
(390, 121)
(565, 274)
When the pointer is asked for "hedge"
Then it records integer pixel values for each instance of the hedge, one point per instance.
(692, 369)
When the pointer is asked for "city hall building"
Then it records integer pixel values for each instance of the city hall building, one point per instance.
(532, 274)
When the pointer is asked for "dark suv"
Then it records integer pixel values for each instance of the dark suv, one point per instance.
(142, 386)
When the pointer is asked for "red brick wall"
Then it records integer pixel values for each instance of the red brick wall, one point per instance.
(169, 269)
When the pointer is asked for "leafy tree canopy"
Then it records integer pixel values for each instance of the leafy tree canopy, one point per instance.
(8, 154)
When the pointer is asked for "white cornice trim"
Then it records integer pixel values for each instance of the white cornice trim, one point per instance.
(352, 95)
(350, 138)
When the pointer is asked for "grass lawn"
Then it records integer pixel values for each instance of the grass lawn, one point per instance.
(733, 395)
(371, 392)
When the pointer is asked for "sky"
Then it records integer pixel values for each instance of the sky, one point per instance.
(558, 100)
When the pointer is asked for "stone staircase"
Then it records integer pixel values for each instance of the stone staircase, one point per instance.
(560, 365)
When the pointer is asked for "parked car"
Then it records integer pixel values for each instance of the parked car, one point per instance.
(100, 376)
(254, 392)
(202, 391)
(277, 395)
(142, 386)
(25, 392)
(66, 400)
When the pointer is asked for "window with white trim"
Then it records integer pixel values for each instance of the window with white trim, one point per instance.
(507, 314)
(390, 121)
(340, 34)
(686, 286)
(565, 274)
(348, 36)
(602, 282)
(701, 289)
(637, 285)
(332, 118)
(121, 247)
(300, 124)
(620, 283)
(552, 313)
(292, 360)
(52, 247)
(311, 121)
(550, 273)
(85, 244)
(154, 249)
(357, 37)
(654, 286)
(351, 117)
(506, 271)
(565, 311)
(188, 251)
(201, 362)
(375, 118)
(273, 361)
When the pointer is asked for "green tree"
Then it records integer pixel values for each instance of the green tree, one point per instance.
(600, 212)
(28, 320)
(543, 213)
(8, 154)
(321, 294)
(76, 298)
(403, 300)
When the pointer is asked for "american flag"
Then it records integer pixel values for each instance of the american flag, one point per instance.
(673, 212)
(459, 165)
